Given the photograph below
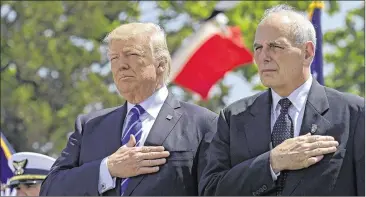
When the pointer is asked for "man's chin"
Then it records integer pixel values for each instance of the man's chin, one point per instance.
(125, 91)
(268, 83)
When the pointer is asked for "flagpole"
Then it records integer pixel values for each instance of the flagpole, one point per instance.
(314, 13)
(313, 5)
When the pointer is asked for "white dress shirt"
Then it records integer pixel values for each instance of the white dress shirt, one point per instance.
(152, 106)
(296, 111)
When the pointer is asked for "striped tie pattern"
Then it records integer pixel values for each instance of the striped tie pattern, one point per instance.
(133, 127)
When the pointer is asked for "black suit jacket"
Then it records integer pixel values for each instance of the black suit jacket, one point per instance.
(238, 162)
(97, 135)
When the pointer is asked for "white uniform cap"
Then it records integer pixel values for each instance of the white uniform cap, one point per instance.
(28, 166)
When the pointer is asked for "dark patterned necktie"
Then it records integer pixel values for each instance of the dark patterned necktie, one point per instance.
(283, 129)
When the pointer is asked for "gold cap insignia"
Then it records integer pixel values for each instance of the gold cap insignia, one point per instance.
(19, 166)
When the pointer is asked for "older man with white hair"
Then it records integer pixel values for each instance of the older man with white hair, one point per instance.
(298, 137)
(152, 145)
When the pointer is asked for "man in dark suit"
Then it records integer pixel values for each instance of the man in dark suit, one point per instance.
(298, 137)
(152, 145)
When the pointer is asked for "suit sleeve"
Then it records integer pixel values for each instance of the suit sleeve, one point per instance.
(250, 177)
(359, 153)
(67, 177)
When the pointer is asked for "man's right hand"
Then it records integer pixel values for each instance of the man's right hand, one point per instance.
(301, 152)
(129, 161)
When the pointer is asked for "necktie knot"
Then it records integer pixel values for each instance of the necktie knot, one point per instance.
(285, 104)
(137, 110)
(133, 124)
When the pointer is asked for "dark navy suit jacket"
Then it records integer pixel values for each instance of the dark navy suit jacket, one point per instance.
(238, 157)
(97, 135)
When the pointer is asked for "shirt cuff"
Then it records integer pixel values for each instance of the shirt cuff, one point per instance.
(106, 181)
(274, 175)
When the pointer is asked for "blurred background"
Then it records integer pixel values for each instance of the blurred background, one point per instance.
(54, 64)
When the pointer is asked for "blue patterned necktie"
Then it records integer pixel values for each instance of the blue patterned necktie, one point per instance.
(133, 127)
(283, 129)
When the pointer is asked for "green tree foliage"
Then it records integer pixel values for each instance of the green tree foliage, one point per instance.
(348, 58)
(49, 54)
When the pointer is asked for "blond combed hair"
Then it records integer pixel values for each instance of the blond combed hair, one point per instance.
(150, 32)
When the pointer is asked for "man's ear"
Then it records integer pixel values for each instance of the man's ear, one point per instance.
(309, 51)
(162, 62)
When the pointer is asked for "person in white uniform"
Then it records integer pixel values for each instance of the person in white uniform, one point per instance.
(29, 169)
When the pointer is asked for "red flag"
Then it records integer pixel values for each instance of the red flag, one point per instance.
(206, 57)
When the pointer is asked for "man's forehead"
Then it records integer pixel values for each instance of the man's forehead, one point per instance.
(279, 24)
(271, 36)
(272, 33)
(124, 45)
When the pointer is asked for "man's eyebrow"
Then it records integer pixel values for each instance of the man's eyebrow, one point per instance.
(255, 45)
(129, 49)
(112, 53)
(276, 42)
(279, 42)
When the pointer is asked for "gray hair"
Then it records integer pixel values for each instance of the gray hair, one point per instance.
(156, 37)
(302, 29)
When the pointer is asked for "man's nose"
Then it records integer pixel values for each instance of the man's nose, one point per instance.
(265, 55)
(122, 64)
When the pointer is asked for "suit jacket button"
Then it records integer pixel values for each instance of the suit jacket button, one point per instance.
(264, 187)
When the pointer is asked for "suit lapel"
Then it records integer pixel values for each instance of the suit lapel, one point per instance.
(166, 120)
(258, 124)
(314, 122)
(109, 134)
(114, 137)
(107, 130)
(163, 125)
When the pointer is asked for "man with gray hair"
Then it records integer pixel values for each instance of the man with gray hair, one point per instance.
(296, 138)
(152, 145)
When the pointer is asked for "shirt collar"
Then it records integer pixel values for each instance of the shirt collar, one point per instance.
(297, 97)
(153, 104)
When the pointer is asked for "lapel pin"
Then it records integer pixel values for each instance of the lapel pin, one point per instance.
(314, 127)
(169, 117)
